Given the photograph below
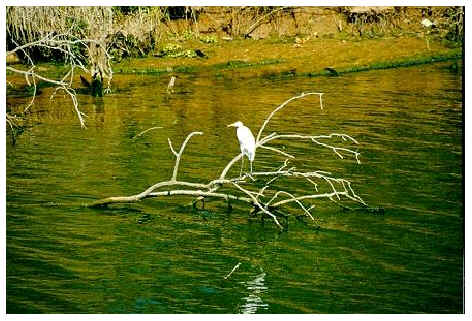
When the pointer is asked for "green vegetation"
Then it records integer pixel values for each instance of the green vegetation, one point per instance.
(208, 39)
(411, 61)
(404, 62)
(175, 51)
(238, 64)
(230, 65)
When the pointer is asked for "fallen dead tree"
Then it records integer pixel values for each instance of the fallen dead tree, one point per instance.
(268, 199)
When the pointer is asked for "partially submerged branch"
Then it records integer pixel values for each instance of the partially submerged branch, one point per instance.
(269, 198)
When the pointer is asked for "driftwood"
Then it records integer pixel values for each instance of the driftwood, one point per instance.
(266, 200)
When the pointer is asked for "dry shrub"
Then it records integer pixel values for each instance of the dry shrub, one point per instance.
(90, 25)
(137, 32)
(27, 24)
(384, 21)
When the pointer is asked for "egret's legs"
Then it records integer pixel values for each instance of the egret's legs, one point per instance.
(242, 163)
(251, 166)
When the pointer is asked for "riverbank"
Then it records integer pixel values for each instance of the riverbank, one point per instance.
(266, 58)
(308, 57)
(248, 42)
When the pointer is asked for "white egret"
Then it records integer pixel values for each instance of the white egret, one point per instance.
(247, 143)
(427, 23)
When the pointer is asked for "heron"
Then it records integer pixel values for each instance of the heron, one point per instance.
(247, 143)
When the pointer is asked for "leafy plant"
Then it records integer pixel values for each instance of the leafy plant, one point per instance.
(208, 39)
(173, 50)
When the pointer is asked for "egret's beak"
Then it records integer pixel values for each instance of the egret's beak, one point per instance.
(232, 125)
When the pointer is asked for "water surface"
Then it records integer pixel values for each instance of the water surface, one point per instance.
(155, 257)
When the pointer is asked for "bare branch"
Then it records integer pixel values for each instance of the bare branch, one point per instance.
(31, 73)
(316, 185)
(325, 185)
(71, 93)
(172, 148)
(259, 205)
(34, 95)
(294, 199)
(145, 131)
(321, 100)
(174, 192)
(234, 269)
(229, 165)
(277, 151)
(261, 191)
(305, 197)
(337, 149)
(315, 139)
(279, 108)
(179, 155)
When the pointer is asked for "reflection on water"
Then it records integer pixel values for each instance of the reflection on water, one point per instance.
(154, 257)
(253, 302)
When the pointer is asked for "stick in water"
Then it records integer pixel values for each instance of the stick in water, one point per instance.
(234, 269)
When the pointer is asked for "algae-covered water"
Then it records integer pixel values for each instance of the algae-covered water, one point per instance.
(156, 257)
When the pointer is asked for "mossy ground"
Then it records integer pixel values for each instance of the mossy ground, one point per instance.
(261, 57)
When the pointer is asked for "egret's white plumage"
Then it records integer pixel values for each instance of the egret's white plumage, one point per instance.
(247, 143)
(427, 23)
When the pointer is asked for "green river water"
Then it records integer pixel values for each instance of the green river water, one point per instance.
(157, 257)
